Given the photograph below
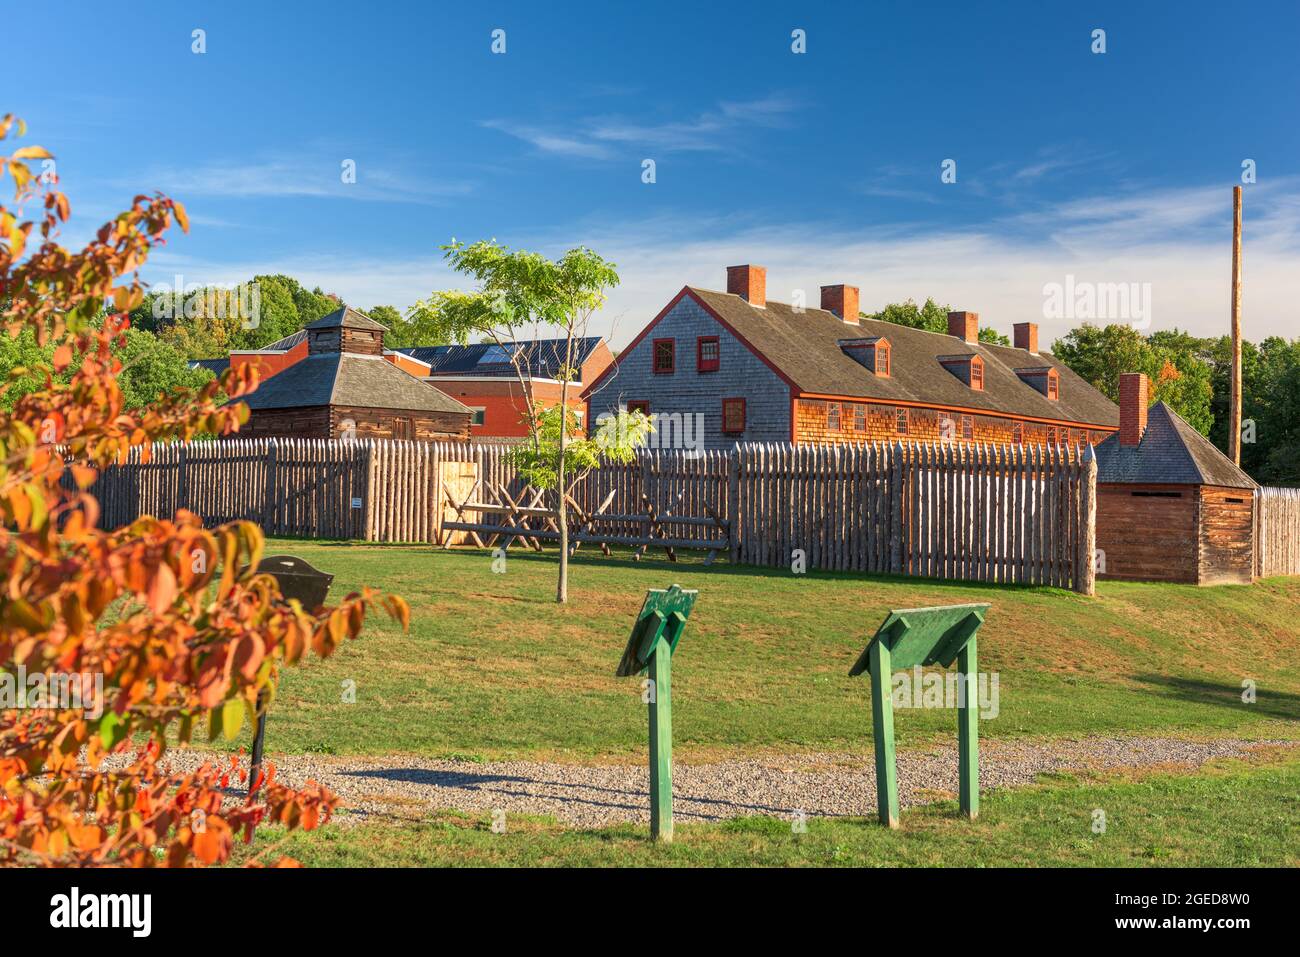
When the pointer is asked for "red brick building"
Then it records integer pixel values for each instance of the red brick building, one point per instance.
(483, 376)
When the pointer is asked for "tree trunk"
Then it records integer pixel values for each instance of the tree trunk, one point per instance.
(562, 586)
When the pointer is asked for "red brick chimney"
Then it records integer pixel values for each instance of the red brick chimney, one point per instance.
(964, 325)
(1132, 407)
(1026, 336)
(749, 283)
(841, 300)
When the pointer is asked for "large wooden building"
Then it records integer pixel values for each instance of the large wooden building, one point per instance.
(750, 369)
(1170, 506)
(348, 385)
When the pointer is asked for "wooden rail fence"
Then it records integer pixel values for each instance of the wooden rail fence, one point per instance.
(1277, 532)
(984, 513)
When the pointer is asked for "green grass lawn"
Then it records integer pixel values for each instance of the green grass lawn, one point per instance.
(493, 668)
(1232, 815)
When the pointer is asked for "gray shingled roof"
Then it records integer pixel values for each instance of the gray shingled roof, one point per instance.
(335, 378)
(1171, 453)
(805, 346)
(346, 316)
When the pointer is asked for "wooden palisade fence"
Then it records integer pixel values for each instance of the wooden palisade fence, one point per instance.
(1022, 514)
(1277, 532)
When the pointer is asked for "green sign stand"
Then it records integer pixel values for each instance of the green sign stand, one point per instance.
(649, 650)
(924, 636)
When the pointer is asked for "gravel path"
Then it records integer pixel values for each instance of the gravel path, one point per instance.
(819, 785)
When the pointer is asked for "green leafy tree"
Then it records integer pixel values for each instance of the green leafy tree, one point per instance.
(212, 321)
(518, 292)
(931, 317)
(1180, 376)
(402, 331)
(150, 368)
(1271, 400)
(389, 316)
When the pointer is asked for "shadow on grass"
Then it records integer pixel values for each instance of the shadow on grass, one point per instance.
(467, 781)
(689, 563)
(442, 779)
(1274, 704)
(694, 566)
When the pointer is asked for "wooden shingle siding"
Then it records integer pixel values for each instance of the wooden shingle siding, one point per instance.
(686, 391)
(812, 415)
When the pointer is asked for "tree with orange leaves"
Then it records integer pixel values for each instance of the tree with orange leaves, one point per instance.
(162, 623)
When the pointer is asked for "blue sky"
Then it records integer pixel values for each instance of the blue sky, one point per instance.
(822, 166)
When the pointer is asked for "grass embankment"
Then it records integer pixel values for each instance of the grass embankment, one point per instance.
(493, 668)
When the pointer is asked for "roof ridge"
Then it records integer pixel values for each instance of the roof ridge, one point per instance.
(1189, 435)
(338, 368)
(897, 325)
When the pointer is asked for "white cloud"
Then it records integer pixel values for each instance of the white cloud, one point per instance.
(1178, 241)
(597, 137)
(311, 176)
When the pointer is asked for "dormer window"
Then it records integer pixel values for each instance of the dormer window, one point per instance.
(872, 353)
(1043, 378)
(968, 368)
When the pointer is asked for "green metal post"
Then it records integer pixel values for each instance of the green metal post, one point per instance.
(882, 712)
(660, 669)
(968, 734)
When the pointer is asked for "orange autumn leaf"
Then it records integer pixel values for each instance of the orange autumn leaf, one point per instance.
(129, 604)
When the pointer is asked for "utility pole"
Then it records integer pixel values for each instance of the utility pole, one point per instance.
(1234, 401)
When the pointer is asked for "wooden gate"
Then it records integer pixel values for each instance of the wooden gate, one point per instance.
(457, 482)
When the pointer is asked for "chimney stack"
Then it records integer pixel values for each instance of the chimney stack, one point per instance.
(964, 325)
(749, 283)
(1026, 336)
(1133, 390)
(841, 300)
